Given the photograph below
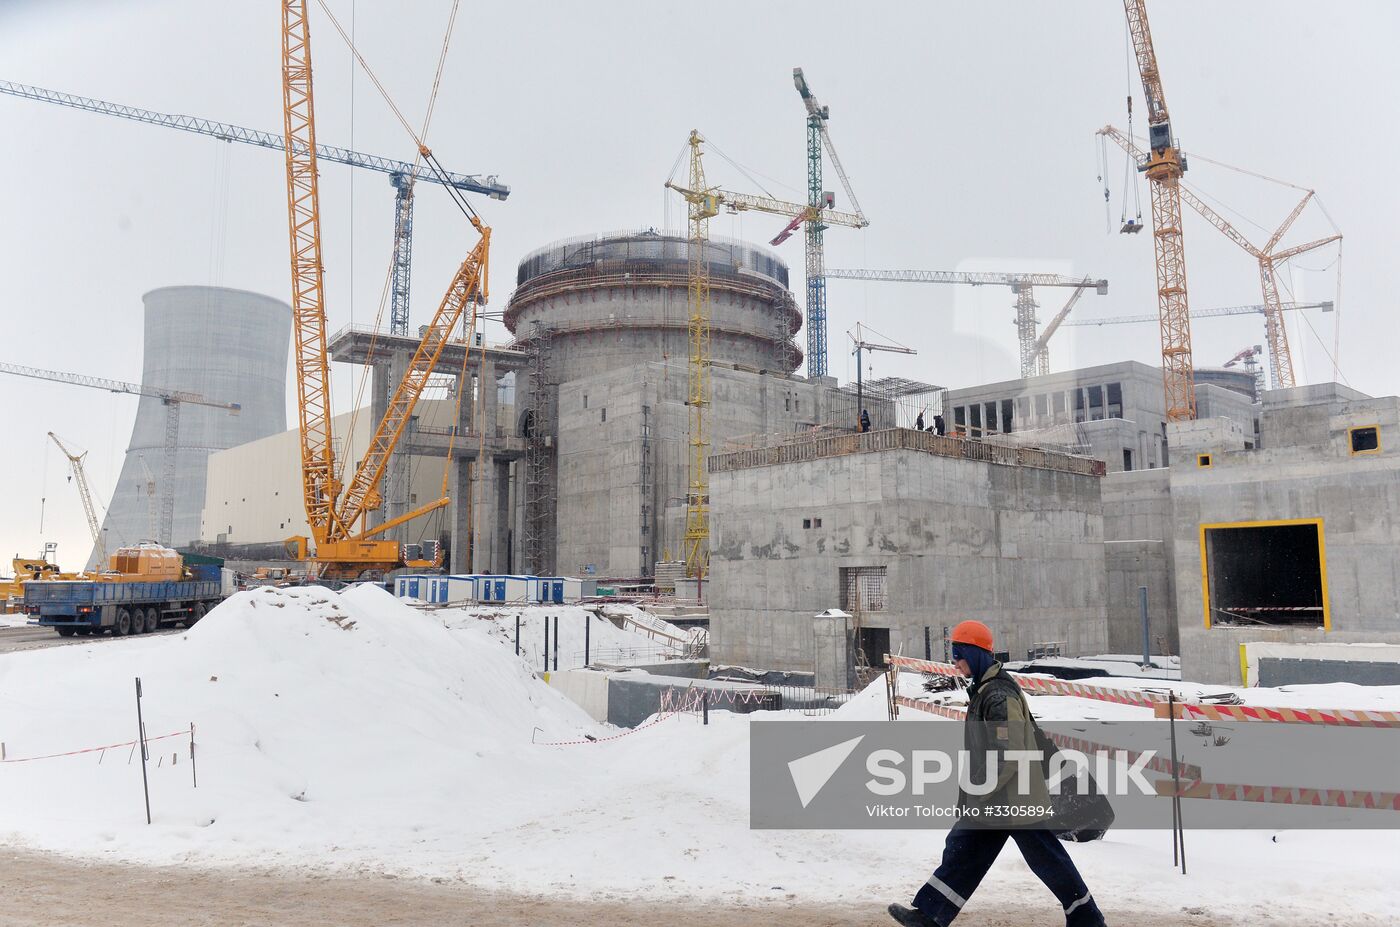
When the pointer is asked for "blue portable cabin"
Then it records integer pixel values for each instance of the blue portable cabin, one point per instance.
(504, 588)
(435, 589)
(558, 590)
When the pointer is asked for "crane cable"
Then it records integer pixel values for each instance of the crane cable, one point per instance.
(423, 154)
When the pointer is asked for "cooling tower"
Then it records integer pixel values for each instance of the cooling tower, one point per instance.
(229, 346)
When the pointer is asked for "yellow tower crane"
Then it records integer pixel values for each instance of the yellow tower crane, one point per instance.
(1281, 372)
(79, 477)
(335, 510)
(1164, 166)
(704, 202)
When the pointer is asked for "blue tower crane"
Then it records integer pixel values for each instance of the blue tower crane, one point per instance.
(402, 175)
(818, 137)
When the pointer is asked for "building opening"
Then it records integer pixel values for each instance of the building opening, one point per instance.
(1265, 574)
(874, 644)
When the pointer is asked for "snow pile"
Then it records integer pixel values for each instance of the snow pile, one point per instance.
(353, 732)
(314, 712)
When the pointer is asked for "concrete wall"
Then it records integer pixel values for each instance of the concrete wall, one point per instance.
(254, 490)
(614, 457)
(1016, 547)
(1137, 525)
(1303, 470)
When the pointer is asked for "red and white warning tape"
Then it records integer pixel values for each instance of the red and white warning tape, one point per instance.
(1286, 795)
(1040, 684)
(1337, 717)
(125, 743)
(1340, 717)
(1064, 741)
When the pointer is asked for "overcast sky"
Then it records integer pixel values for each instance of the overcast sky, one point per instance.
(967, 131)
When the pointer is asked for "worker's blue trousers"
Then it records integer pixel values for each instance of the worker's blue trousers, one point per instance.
(970, 852)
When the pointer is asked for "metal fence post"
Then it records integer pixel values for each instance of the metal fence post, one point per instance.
(141, 740)
(1146, 630)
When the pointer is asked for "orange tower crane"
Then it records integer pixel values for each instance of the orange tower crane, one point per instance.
(1270, 260)
(1164, 166)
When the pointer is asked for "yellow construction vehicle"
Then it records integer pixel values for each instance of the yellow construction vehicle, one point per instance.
(26, 569)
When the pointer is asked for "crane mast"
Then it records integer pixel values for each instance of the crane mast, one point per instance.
(703, 202)
(319, 489)
(818, 204)
(1164, 167)
(75, 461)
(331, 515)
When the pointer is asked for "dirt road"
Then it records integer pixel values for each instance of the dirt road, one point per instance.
(33, 637)
(41, 890)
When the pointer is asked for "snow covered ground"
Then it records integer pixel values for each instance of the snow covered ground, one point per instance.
(605, 641)
(351, 732)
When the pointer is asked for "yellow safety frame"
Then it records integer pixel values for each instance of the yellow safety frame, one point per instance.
(1204, 461)
(1356, 428)
(1321, 560)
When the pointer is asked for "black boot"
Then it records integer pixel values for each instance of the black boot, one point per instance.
(911, 917)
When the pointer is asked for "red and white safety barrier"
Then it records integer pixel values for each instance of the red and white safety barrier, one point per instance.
(1041, 685)
(1336, 717)
(1287, 795)
(1155, 763)
(125, 743)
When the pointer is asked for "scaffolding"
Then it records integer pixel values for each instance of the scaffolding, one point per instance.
(539, 454)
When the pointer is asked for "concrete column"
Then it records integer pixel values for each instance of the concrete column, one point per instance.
(378, 404)
(461, 508)
(489, 407)
(834, 657)
(484, 516)
(395, 486)
(500, 548)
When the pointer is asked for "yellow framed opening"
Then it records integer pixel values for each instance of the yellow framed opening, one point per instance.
(1364, 439)
(1203, 461)
(1265, 574)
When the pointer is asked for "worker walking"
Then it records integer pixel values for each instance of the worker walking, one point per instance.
(998, 720)
(864, 421)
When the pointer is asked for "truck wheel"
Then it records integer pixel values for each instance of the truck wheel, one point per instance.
(65, 632)
(152, 620)
(122, 626)
(198, 612)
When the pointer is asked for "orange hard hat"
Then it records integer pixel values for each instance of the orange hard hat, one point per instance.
(973, 632)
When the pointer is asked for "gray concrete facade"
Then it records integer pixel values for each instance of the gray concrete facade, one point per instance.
(1114, 412)
(484, 443)
(907, 530)
(622, 462)
(1304, 470)
(226, 345)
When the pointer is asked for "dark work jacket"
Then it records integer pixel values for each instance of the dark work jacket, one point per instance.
(998, 720)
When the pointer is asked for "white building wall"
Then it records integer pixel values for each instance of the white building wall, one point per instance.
(254, 491)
